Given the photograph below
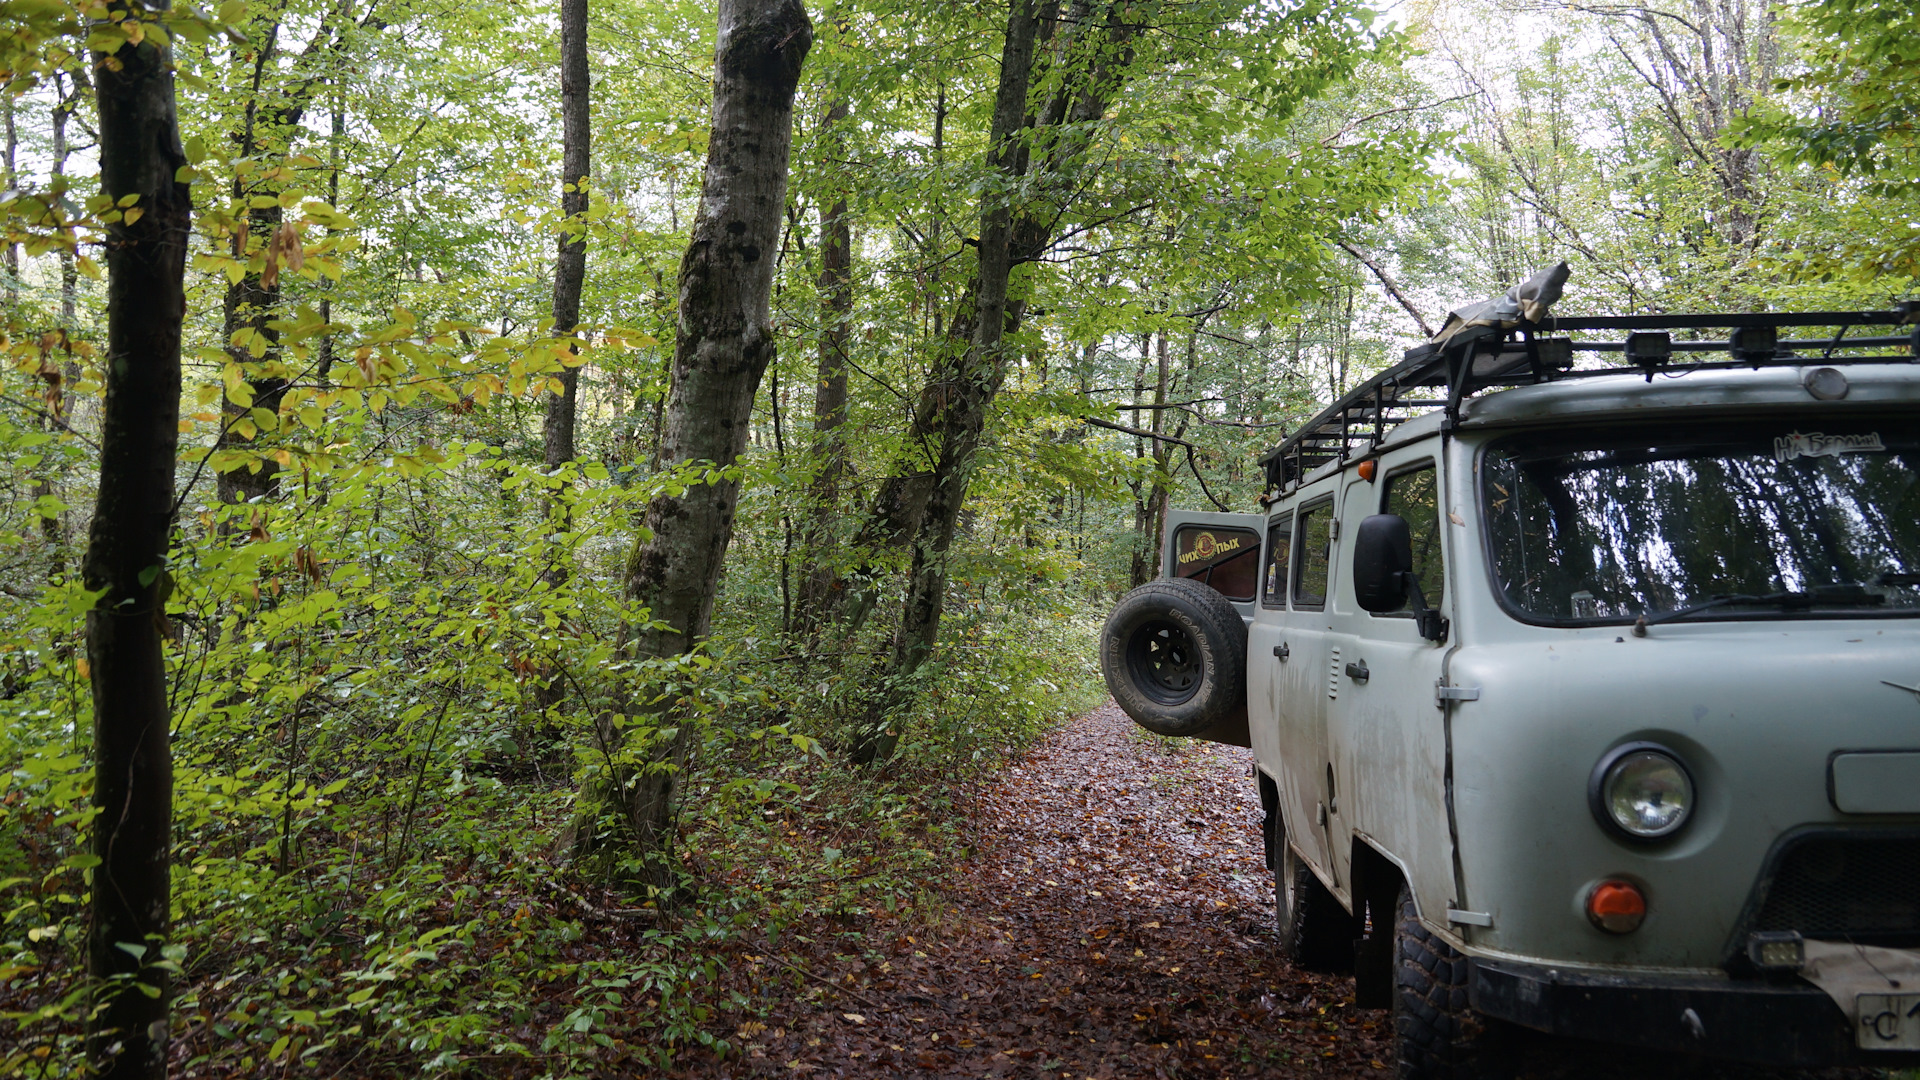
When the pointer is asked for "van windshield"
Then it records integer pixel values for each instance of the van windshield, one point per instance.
(1759, 519)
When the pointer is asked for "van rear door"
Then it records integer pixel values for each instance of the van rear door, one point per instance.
(1220, 550)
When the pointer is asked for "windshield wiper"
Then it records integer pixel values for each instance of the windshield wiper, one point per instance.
(1826, 595)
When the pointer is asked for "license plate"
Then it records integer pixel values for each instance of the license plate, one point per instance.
(1889, 1021)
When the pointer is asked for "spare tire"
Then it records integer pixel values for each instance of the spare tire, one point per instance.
(1174, 653)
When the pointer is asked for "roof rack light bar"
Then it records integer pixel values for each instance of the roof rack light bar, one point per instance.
(1482, 357)
(1727, 320)
(1795, 344)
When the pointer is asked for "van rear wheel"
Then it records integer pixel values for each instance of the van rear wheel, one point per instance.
(1316, 933)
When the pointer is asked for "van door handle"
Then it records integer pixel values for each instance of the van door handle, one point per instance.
(1358, 671)
(1281, 651)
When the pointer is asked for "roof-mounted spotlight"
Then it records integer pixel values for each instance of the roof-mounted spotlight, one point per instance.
(1648, 351)
(1556, 354)
(1754, 344)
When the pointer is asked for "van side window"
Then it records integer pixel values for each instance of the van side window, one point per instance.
(1416, 497)
(1311, 558)
(1273, 587)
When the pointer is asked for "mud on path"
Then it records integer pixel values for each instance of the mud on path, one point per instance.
(1115, 921)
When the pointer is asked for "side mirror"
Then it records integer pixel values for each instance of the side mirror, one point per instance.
(1383, 578)
(1382, 558)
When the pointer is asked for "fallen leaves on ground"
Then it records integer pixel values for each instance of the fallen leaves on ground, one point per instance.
(1114, 920)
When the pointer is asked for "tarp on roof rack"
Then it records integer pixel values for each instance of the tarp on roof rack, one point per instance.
(1525, 302)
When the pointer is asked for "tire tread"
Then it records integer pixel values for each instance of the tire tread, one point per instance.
(1316, 933)
(1438, 1035)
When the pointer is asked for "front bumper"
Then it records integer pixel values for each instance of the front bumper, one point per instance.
(1754, 1020)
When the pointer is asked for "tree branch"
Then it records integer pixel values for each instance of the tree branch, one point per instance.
(1387, 283)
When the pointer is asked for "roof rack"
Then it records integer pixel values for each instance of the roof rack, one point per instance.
(1442, 374)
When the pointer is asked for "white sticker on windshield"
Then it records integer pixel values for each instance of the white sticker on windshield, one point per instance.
(1814, 444)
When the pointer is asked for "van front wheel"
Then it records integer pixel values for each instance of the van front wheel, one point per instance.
(1437, 1034)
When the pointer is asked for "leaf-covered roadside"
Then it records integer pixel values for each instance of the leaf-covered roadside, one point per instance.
(402, 903)
(1113, 918)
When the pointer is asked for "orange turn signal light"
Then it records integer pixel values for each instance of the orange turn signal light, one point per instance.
(1616, 906)
(1367, 469)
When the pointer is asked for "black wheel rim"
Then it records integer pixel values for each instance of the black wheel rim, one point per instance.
(1164, 662)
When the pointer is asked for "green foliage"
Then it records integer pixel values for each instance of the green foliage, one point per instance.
(391, 674)
(1859, 80)
(1847, 114)
(1650, 147)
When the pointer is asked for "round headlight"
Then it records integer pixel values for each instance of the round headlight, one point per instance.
(1642, 791)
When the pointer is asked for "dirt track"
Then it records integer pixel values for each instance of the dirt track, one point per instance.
(1115, 921)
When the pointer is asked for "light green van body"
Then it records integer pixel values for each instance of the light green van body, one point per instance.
(1465, 763)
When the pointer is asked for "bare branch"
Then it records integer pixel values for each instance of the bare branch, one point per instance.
(1387, 283)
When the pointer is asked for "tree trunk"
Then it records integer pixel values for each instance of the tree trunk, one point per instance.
(722, 347)
(271, 120)
(1090, 53)
(1145, 538)
(11, 251)
(140, 155)
(570, 267)
(569, 276)
(1091, 57)
(323, 363)
(250, 304)
(64, 107)
(51, 531)
(822, 587)
(1162, 457)
(963, 410)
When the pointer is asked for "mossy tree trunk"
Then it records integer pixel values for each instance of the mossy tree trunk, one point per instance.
(722, 346)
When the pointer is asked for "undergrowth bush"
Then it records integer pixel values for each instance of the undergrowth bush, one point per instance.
(374, 788)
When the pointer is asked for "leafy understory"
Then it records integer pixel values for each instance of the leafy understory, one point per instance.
(397, 608)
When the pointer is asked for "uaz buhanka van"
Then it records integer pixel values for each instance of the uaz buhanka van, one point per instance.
(1580, 659)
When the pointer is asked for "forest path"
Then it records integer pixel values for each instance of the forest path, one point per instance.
(1115, 920)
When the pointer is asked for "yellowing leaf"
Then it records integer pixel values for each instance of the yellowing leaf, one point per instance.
(134, 215)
